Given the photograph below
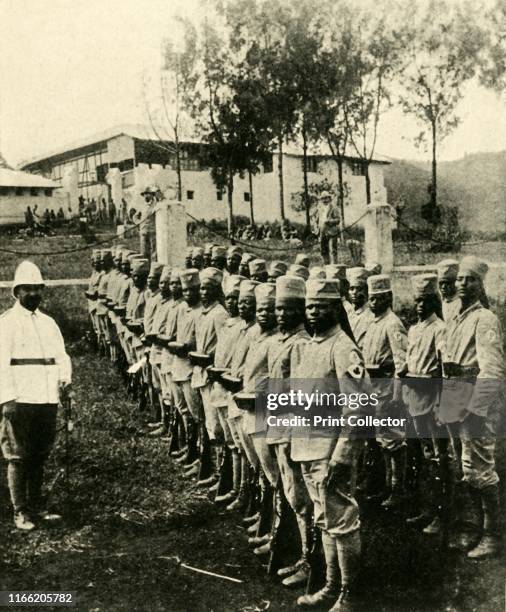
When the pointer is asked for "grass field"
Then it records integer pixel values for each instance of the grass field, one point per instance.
(126, 506)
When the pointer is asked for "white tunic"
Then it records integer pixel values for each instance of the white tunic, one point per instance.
(33, 360)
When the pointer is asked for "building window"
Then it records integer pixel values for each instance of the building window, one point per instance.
(4, 191)
(358, 168)
(246, 196)
(19, 191)
(219, 195)
(189, 195)
(311, 164)
(48, 192)
(34, 191)
(268, 165)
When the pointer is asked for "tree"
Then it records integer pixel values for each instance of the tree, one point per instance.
(377, 41)
(228, 112)
(492, 59)
(169, 120)
(444, 44)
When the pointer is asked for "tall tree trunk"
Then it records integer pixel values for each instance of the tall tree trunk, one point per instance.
(340, 186)
(306, 187)
(367, 183)
(230, 200)
(280, 176)
(178, 172)
(433, 192)
(251, 213)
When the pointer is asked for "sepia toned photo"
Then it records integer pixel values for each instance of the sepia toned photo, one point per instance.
(252, 305)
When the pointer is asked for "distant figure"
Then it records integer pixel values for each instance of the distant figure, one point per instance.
(28, 217)
(328, 224)
(47, 217)
(112, 211)
(60, 215)
(52, 216)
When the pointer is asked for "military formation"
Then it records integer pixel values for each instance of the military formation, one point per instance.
(194, 346)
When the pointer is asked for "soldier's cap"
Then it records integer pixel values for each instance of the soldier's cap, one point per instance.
(27, 273)
(302, 259)
(218, 251)
(95, 254)
(323, 289)
(189, 278)
(166, 274)
(208, 247)
(257, 266)
(290, 287)
(247, 289)
(277, 268)
(152, 189)
(106, 254)
(473, 266)
(379, 283)
(265, 293)
(373, 268)
(324, 194)
(232, 284)
(246, 258)
(447, 269)
(424, 284)
(357, 276)
(175, 275)
(155, 269)
(197, 252)
(317, 272)
(133, 256)
(298, 270)
(140, 266)
(212, 275)
(118, 258)
(189, 252)
(234, 250)
(336, 271)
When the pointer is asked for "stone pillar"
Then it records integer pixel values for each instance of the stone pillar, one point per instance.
(70, 186)
(113, 178)
(170, 233)
(378, 224)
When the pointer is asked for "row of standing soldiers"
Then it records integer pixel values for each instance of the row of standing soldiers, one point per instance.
(196, 343)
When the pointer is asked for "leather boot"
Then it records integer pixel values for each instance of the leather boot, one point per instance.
(242, 500)
(384, 491)
(301, 574)
(468, 535)
(397, 495)
(266, 506)
(225, 479)
(327, 595)
(207, 474)
(280, 531)
(490, 542)
(253, 492)
(236, 480)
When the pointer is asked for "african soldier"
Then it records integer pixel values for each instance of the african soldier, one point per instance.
(385, 359)
(473, 374)
(360, 315)
(447, 275)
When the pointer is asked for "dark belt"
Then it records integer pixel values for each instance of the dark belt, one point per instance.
(455, 370)
(380, 372)
(35, 361)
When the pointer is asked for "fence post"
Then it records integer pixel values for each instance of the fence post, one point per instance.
(170, 233)
(378, 224)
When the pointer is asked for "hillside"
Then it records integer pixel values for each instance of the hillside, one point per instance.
(476, 184)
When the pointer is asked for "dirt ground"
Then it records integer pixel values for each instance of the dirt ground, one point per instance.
(127, 506)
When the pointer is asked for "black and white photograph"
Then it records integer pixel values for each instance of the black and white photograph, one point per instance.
(252, 305)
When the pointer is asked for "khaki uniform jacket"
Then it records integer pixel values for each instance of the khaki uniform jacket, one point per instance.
(93, 288)
(157, 327)
(359, 321)
(450, 308)
(152, 303)
(188, 316)
(256, 372)
(169, 329)
(332, 355)
(474, 340)
(280, 366)
(426, 341)
(103, 286)
(210, 322)
(227, 339)
(247, 333)
(385, 345)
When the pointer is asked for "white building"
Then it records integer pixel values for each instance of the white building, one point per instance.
(120, 163)
(20, 190)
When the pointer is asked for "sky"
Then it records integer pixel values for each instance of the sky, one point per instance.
(72, 68)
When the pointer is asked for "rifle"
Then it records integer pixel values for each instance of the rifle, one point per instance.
(67, 402)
